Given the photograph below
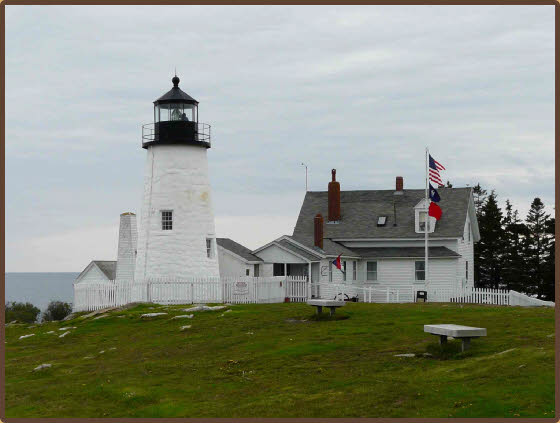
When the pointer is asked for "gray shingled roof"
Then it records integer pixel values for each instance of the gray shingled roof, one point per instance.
(401, 252)
(298, 250)
(330, 248)
(237, 248)
(109, 268)
(360, 210)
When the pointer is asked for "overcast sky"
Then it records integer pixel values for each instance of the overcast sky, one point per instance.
(362, 89)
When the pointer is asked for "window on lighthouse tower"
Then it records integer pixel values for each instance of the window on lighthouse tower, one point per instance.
(167, 220)
(209, 247)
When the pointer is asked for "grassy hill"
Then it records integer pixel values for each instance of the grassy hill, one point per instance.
(276, 361)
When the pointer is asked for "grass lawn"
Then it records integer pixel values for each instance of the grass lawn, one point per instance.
(274, 360)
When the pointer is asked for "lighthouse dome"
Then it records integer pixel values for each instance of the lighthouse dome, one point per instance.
(175, 95)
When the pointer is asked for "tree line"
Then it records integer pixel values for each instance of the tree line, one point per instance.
(513, 253)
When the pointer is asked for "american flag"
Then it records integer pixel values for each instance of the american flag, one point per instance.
(434, 169)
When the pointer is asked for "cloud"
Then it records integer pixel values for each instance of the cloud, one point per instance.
(359, 88)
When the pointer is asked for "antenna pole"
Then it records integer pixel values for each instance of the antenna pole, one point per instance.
(303, 164)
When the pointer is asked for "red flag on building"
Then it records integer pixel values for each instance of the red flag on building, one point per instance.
(434, 210)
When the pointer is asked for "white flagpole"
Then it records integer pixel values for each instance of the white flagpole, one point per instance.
(426, 221)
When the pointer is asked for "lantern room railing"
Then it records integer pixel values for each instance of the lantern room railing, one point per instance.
(201, 134)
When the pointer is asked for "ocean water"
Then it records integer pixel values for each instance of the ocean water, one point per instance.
(40, 288)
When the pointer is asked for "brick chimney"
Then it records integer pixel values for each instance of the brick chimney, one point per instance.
(334, 198)
(399, 185)
(318, 231)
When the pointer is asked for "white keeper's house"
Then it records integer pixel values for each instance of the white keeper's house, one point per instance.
(380, 237)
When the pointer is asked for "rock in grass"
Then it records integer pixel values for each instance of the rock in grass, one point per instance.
(72, 327)
(26, 336)
(196, 308)
(99, 317)
(64, 334)
(204, 307)
(184, 316)
(51, 331)
(152, 315)
(88, 357)
(506, 351)
(185, 327)
(405, 355)
(41, 367)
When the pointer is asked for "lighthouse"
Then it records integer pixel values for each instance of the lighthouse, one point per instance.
(176, 237)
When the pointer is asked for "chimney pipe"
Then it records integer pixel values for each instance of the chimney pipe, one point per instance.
(399, 184)
(334, 198)
(318, 232)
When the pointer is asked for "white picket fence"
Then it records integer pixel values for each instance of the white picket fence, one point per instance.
(89, 296)
(469, 295)
(370, 293)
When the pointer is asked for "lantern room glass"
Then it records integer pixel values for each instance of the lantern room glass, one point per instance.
(175, 112)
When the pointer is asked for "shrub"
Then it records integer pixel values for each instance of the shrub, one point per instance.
(57, 310)
(22, 312)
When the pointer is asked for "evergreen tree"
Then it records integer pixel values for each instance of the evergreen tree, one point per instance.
(514, 269)
(479, 195)
(479, 199)
(491, 245)
(549, 261)
(536, 249)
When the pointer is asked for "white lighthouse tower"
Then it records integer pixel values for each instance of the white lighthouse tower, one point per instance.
(176, 238)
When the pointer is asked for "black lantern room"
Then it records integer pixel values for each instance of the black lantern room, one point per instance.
(176, 121)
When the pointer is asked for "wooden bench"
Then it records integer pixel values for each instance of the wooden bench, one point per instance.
(331, 304)
(465, 333)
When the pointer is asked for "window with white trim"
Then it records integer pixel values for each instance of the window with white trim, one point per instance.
(467, 270)
(371, 270)
(420, 270)
(344, 270)
(354, 270)
(422, 221)
(166, 220)
(209, 252)
(330, 271)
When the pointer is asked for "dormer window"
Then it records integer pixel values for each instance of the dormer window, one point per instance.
(422, 221)
(381, 220)
(422, 218)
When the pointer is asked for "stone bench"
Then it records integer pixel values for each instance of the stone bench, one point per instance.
(465, 333)
(331, 304)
